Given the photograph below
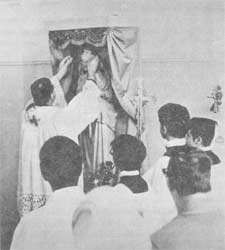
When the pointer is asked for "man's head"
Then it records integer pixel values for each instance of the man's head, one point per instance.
(201, 132)
(128, 152)
(60, 162)
(89, 52)
(42, 92)
(188, 174)
(173, 120)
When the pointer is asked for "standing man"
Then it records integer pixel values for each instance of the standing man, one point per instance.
(45, 120)
(173, 119)
(50, 227)
(198, 224)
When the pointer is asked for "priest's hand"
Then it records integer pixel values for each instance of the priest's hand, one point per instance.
(64, 67)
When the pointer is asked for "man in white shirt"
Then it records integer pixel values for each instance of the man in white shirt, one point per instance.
(173, 120)
(201, 132)
(108, 220)
(49, 227)
(198, 225)
(128, 154)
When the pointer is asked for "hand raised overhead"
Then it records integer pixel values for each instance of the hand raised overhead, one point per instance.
(66, 61)
(64, 67)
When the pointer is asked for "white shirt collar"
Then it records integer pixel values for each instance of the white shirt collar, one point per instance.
(205, 148)
(65, 194)
(176, 142)
(129, 173)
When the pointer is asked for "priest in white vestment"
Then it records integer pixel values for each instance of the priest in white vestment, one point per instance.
(50, 227)
(50, 116)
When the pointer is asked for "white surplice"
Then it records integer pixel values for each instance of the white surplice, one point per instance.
(66, 120)
(164, 206)
(144, 203)
(49, 227)
(108, 220)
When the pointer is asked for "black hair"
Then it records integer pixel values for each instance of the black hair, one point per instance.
(41, 91)
(189, 173)
(92, 48)
(204, 128)
(60, 162)
(174, 117)
(128, 152)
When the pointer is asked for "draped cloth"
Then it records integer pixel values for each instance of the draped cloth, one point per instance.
(117, 48)
(122, 54)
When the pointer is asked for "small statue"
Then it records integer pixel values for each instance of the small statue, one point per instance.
(217, 96)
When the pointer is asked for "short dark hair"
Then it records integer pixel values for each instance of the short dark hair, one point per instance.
(174, 117)
(92, 48)
(60, 161)
(204, 128)
(189, 173)
(128, 152)
(41, 91)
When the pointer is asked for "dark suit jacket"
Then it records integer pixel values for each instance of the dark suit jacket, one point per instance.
(192, 231)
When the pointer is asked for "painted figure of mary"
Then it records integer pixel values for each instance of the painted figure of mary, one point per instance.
(96, 139)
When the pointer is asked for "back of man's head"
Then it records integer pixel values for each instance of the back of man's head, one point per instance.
(204, 128)
(60, 162)
(174, 118)
(128, 152)
(41, 91)
(189, 174)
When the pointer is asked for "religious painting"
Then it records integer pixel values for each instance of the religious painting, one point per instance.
(117, 50)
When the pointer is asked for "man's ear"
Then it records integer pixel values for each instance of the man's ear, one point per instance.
(198, 141)
(52, 96)
(45, 174)
(164, 129)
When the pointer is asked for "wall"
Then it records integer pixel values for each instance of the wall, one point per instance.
(183, 59)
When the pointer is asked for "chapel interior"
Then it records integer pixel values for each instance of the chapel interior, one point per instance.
(182, 45)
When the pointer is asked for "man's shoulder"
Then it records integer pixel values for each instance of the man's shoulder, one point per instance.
(34, 215)
(156, 169)
(167, 234)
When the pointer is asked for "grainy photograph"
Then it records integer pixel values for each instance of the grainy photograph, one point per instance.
(112, 124)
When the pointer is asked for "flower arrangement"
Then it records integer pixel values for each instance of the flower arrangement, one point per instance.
(106, 175)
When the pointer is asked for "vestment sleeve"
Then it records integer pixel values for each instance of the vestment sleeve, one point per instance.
(82, 110)
(60, 100)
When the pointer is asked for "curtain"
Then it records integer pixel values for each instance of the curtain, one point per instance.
(123, 55)
(118, 47)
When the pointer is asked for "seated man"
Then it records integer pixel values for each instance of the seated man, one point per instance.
(197, 225)
(173, 120)
(128, 154)
(200, 135)
(108, 220)
(45, 119)
(49, 227)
